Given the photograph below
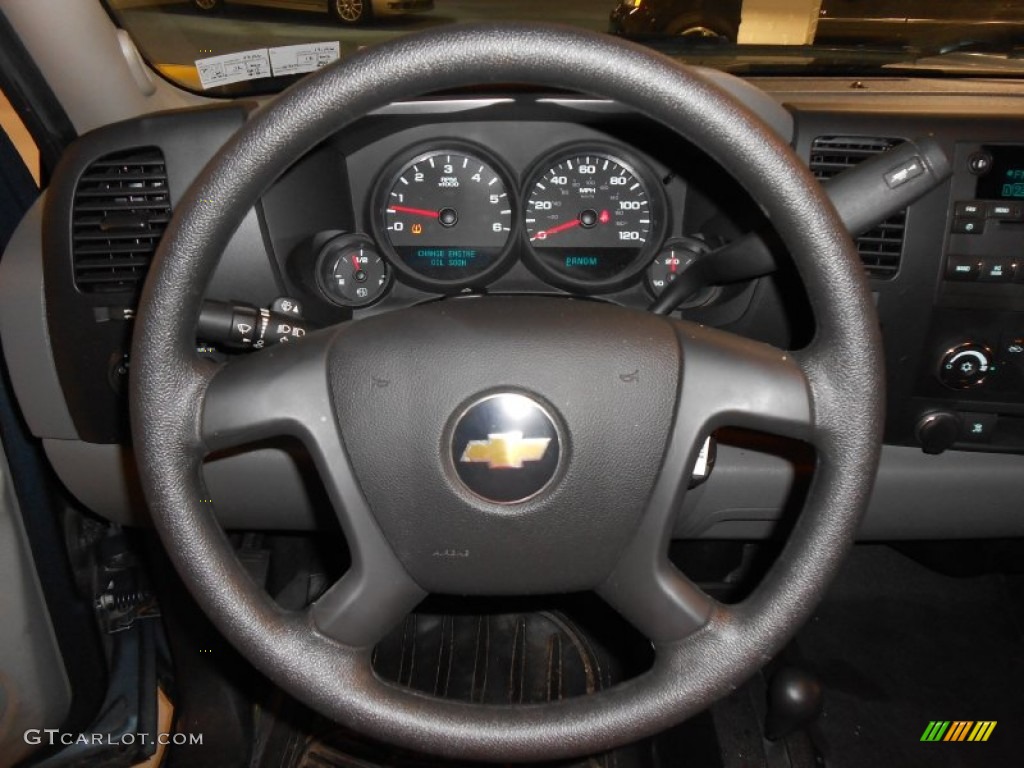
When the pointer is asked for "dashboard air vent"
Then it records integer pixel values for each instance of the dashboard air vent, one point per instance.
(881, 248)
(120, 211)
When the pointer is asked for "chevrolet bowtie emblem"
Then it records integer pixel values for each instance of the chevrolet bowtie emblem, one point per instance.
(489, 435)
(505, 450)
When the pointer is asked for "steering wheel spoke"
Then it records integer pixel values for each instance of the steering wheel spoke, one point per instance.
(729, 380)
(282, 390)
(653, 596)
(366, 603)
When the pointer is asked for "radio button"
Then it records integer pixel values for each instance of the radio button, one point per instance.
(968, 225)
(969, 208)
(1005, 211)
(997, 270)
(965, 268)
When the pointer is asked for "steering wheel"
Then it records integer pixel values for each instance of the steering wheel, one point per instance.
(417, 434)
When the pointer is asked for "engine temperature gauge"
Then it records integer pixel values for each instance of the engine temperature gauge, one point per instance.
(673, 258)
(350, 272)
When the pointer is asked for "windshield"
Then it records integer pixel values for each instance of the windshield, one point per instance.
(241, 47)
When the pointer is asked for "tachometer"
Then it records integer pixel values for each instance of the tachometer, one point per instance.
(593, 218)
(445, 217)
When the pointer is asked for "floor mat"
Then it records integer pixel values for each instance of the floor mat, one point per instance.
(898, 646)
(498, 659)
(514, 658)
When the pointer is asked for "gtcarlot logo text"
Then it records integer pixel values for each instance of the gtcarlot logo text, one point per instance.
(55, 737)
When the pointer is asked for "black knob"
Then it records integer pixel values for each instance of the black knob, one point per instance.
(980, 163)
(937, 431)
(965, 366)
(794, 701)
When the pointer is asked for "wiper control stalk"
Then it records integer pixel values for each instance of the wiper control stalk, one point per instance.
(243, 326)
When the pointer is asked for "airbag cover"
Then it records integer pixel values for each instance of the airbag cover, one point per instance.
(607, 376)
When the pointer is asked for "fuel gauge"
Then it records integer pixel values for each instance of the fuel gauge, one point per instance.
(350, 272)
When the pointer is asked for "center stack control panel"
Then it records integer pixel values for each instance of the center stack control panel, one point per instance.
(970, 393)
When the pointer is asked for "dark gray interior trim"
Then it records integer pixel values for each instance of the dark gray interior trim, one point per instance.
(264, 489)
(25, 334)
(764, 105)
(761, 102)
(955, 495)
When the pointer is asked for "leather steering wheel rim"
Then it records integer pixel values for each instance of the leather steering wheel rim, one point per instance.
(841, 370)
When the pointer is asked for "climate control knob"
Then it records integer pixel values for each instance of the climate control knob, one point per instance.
(965, 366)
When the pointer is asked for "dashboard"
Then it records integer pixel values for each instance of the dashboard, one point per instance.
(540, 193)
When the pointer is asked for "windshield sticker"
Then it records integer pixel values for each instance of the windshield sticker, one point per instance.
(233, 68)
(299, 59)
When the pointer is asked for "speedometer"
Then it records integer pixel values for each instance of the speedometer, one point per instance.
(593, 217)
(444, 217)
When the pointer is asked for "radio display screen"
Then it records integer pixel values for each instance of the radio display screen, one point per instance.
(1005, 179)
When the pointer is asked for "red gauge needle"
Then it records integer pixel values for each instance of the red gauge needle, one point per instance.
(554, 230)
(414, 211)
(355, 263)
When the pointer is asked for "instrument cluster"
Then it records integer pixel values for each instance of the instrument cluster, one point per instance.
(450, 216)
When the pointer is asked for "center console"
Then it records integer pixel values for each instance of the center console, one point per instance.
(970, 391)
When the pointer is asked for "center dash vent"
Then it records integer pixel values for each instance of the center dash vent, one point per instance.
(120, 211)
(882, 247)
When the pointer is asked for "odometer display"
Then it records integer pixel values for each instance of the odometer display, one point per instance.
(592, 219)
(445, 217)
